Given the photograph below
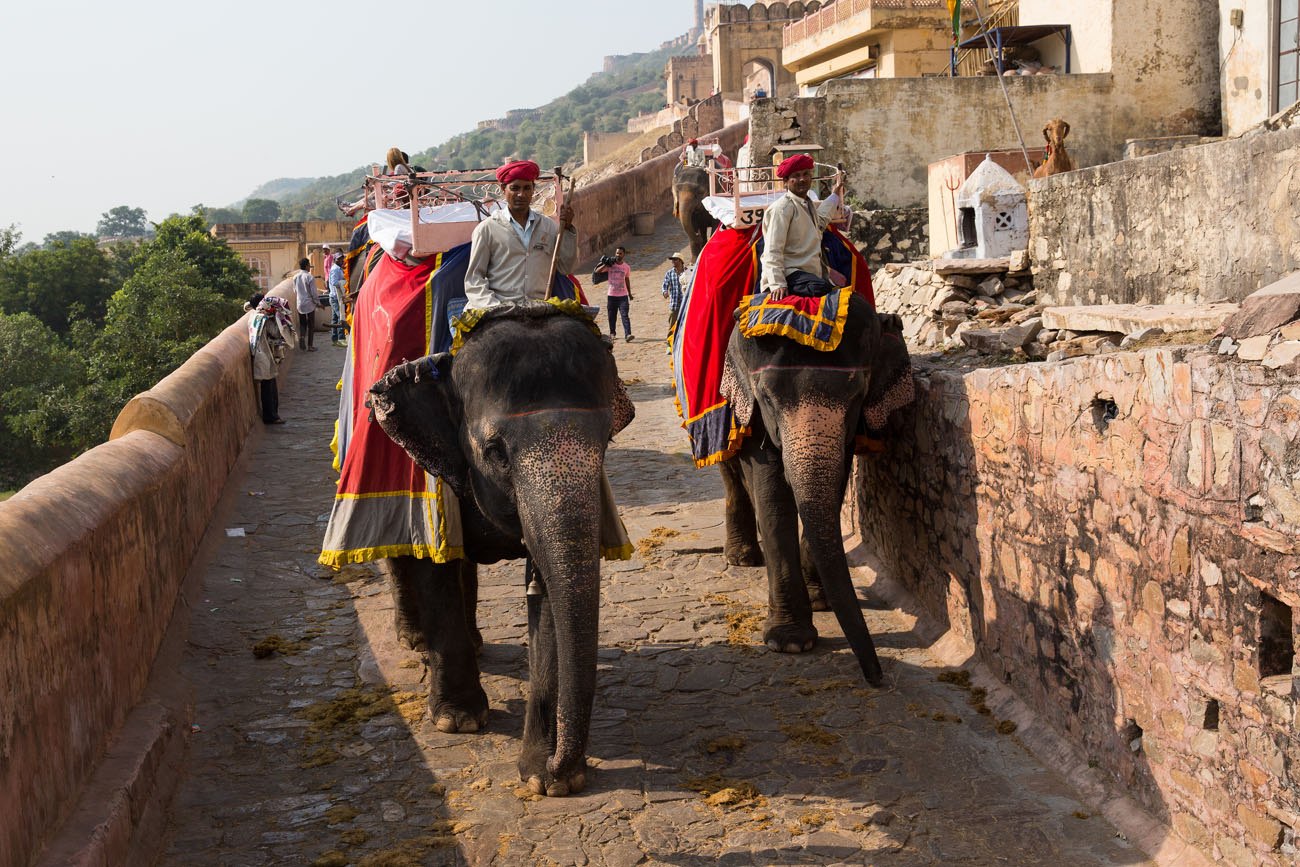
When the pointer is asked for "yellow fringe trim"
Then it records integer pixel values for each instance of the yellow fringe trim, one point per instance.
(339, 559)
(781, 329)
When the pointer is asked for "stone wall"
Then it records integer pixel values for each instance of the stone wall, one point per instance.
(605, 210)
(95, 554)
(886, 132)
(1116, 538)
(1196, 225)
(891, 234)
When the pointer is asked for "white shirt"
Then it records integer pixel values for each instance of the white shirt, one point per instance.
(304, 287)
(792, 237)
(509, 263)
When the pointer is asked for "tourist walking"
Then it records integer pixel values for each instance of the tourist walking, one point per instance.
(672, 290)
(619, 293)
(335, 282)
(304, 290)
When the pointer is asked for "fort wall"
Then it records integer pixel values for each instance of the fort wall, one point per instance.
(1196, 225)
(96, 551)
(1114, 537)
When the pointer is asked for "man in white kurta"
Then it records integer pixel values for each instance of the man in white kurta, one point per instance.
(510, 251)
(793, 227)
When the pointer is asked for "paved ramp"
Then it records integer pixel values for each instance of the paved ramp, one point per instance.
(707, 749)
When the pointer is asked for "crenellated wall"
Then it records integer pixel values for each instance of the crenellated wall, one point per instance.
(1115, 537)
(95, 554)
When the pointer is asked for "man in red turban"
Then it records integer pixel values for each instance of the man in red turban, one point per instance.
(510, 251)
(792, 233)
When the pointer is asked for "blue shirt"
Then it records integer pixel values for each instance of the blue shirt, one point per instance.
(335, 279)
(525, 233)
(673, 288)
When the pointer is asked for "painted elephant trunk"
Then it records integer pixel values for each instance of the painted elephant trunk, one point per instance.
(564, 544)
(818, 496)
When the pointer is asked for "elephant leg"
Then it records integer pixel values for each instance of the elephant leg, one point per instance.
(457, 702)
(789, 627)
(741, 546)
(543, 700)
(469, 595)
(811, 577)
(406, 610)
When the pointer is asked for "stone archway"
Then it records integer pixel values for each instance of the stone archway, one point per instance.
(759, 76)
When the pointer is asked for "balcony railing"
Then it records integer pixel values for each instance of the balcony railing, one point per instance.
(840, 11)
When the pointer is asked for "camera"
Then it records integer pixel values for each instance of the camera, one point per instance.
(607, 260)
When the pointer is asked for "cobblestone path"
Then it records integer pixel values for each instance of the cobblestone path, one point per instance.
(706, 748)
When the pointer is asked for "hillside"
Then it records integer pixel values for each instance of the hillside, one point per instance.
(550, 134)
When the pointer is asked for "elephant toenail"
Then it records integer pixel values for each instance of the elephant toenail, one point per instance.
(774, 645)
(535, 786)
(446, 724)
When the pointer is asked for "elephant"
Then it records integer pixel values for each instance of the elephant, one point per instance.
(690, 187)
(517, 426)
(803, 408)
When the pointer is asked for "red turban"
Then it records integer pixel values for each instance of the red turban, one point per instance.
(519, 170)
(796, 163)
(693, 142)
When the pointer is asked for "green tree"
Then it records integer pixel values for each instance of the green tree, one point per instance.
(220, 268)
(76, 277)
(39, 376)
(123, 222)
(261, 211)
(63, 239)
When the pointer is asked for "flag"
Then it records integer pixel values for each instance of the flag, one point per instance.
(954, 10)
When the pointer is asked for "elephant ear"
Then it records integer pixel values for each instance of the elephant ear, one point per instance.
(891, 386)
(735, 389)
(417, 406)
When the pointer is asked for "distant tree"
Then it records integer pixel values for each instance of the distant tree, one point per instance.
(10, 237)
(63, 239)
(261, 211)
(123, 222)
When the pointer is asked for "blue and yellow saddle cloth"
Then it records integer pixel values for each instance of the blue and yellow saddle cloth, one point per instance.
(814, 322)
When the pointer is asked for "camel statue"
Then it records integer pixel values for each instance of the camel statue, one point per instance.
(1057, 159)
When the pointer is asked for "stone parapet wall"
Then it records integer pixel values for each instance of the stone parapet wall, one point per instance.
(95, 554)
(1196, 225)
(1115, 537)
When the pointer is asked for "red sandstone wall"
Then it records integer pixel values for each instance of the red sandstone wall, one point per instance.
(1111, 571)
(604, 210)
(95, 554)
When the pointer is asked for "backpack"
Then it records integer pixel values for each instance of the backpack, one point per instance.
(599, 276)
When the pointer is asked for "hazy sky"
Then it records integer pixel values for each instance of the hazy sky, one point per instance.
(164, 105)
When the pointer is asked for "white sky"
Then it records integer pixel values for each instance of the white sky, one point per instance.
(163, 105)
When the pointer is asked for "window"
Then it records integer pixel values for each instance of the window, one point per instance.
(261, 266)
(1288, 51)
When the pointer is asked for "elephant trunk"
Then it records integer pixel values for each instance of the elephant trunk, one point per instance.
(559, 509)
(816, 462)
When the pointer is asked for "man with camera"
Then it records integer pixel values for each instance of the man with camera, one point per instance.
(619, 293)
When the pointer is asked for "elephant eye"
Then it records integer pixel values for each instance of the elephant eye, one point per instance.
(494, 452)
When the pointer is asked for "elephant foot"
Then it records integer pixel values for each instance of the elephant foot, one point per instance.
(817, 596)
(743, 555)
(540, 781)
(476, 637)
(790, 638)
(464, 716)
(407, 632)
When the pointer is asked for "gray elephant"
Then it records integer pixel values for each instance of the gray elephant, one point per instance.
(517, 426)
(805, 409)
(690, 187)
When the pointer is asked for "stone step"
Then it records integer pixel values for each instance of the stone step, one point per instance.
(1127, 318)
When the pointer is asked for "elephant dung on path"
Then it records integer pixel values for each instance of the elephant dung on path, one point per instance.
(804, 407)
(690, 187)
(517, 426)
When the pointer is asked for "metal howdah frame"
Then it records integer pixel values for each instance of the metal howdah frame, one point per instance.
(741, 182)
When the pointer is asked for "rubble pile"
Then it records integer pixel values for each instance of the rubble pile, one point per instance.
(938, 308)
